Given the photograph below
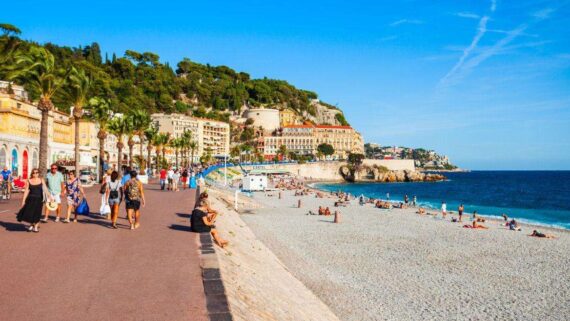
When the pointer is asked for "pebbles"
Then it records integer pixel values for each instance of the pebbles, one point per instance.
(397, 265)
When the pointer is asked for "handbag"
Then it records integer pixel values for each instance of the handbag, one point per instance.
(82, 208)
(105, 209)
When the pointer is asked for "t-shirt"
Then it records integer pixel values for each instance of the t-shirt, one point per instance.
(444, 207)
(54, 182)
(170, 173)
(163, 173)
(114, 186)
(125, 179)
(6, 174)
(197, 221)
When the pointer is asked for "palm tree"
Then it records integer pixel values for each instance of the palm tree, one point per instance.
(9, 43)
(140, 120)
(186, 141)
(161, 140)
(175, 143)
(150, 135)
(100, 112)
(37, 67)
(283, 151)
(80, 84)
(193, 146)
(118, 126)
(130, 132)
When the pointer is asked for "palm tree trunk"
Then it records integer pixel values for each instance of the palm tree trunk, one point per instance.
(120, 159)
(101, 157)
(76, 142)
(157, 157)
(142, 170)
(148, 150)
(192, 158)
(44, 143)
(131, 155)
(176, 153)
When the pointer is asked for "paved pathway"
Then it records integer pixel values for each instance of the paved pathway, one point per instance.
(87, 271)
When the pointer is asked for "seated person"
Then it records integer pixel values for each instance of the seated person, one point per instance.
(327, 212)
(321, 210)
(477, 225)
(514, 225)
(536, 233)
(421, 211)
(477, 218)
(203, 223)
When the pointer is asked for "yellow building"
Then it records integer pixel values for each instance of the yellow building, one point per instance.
(288, 117)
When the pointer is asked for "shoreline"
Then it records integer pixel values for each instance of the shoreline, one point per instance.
(428, 207)
(395, 263)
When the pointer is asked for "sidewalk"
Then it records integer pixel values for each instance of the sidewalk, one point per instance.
(87, 271)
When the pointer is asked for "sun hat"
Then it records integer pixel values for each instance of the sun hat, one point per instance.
(52, 206)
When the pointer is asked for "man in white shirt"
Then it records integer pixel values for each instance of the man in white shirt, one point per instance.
(170, 181)
(443, 209)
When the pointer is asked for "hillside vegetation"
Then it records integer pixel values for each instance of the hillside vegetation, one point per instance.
(139, 80)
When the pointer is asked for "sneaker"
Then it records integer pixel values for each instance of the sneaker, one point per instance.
(44, 220)
(57, 219)
(74, 220)
(65, 221)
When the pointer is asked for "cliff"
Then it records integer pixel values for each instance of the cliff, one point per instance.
(364, 173)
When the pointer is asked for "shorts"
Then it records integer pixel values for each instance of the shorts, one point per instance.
(133, 205)
(114, 201)
(56, 198)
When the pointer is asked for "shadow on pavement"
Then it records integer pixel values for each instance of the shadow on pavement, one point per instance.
(183, 215)
(13, 227)
(183, 228)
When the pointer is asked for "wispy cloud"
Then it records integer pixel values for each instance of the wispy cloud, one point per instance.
(544, 13)
(480, 32)
(406, 21)
(468, 15)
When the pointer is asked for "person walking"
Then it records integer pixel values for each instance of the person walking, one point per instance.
(103, 191)
(74, 192)
(443, 209)
(35, 194)
(134, 198)
(184, 178)
(162, 178)
(415, 201)
(56, 187)
(406, 200)
(114, 194)
(460, 211)
(169, 176)
(175, 179)
(193, 184)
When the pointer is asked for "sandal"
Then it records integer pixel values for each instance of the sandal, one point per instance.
(29, 229)
(36, 230)
(65, 221)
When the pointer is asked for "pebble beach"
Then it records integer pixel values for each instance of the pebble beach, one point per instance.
(397, 265)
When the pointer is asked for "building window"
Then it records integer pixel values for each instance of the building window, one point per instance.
(3, 157)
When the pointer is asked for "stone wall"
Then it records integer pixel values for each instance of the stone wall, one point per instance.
(330, 171)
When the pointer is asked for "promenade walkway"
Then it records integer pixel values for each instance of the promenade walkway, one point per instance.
(87, 271)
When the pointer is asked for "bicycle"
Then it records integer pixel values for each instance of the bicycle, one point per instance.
(4, 194)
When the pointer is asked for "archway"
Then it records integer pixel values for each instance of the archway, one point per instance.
(35, 159)
(3, 157)
(14, 162)
(25, 164)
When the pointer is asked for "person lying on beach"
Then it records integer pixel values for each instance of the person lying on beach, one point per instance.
(476, 225)
(421, 211)
(536, 233)
(319, 195)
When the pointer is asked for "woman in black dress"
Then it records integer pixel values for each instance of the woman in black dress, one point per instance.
(33, 200)
(203, 222)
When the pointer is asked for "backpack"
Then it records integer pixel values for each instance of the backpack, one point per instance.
(114, 192)
(132, 191)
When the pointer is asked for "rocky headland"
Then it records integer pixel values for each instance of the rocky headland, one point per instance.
(364, 173)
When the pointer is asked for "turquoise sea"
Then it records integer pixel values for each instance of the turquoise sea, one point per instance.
(538, 197)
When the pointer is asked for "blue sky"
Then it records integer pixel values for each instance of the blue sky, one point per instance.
(485, 82)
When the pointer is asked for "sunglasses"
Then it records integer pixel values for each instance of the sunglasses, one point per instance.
(35, 173)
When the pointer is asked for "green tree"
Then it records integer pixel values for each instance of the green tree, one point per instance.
(37, 67)
(355, 159)
(326, 149)
(80, 84)
(119, 127)
(140, 121)
(100, 112)
(150, 136)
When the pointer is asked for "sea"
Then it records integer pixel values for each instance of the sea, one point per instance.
(536, 197)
